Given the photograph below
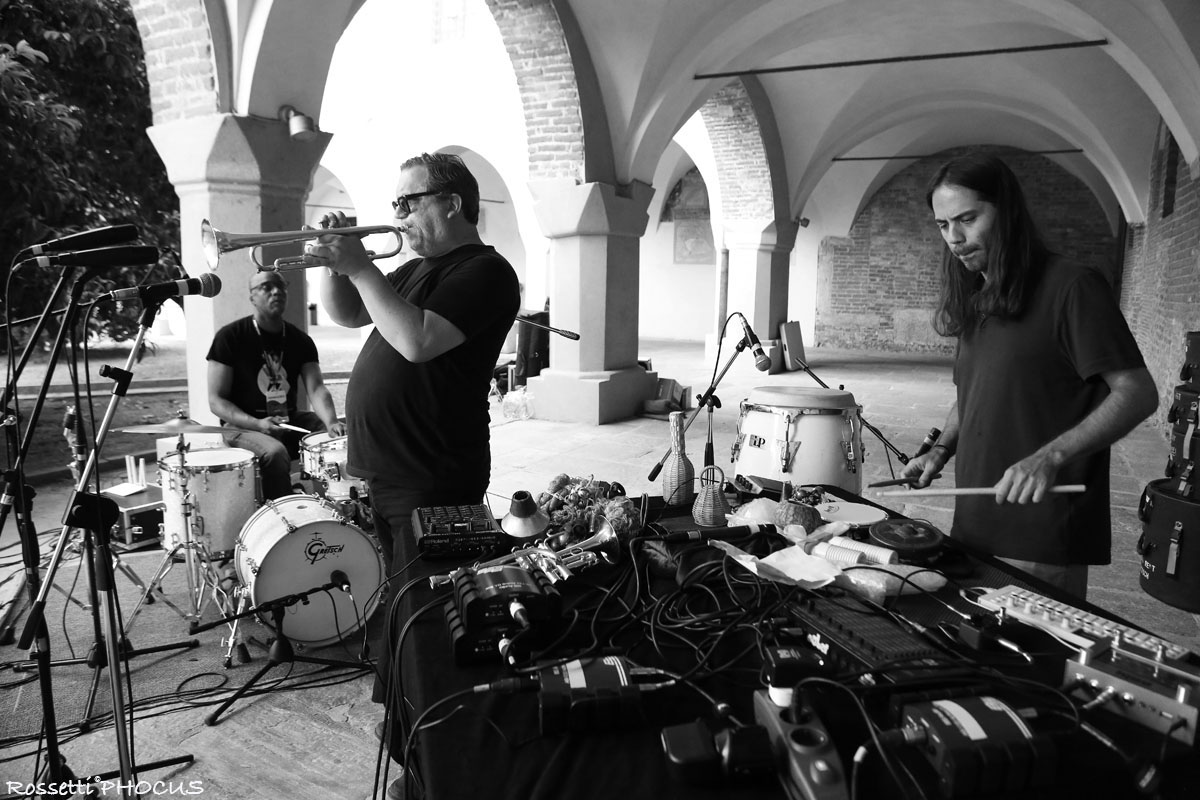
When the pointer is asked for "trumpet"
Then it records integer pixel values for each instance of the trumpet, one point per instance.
(216, 243)
(603, 546)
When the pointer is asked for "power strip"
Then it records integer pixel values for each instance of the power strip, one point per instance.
(1072, 625)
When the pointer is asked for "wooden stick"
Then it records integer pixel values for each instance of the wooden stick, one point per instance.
(1066, 488)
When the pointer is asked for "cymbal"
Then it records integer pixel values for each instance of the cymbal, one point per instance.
(175, 426)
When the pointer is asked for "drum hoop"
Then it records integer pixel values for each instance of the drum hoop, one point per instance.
(200, 469)
(793, 410)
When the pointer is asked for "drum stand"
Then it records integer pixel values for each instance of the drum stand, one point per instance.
(281, 651)
(200, 572)
(98, 514)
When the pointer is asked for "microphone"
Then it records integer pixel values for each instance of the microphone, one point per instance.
(340, 580)
(761, 359)
(731, 532)
(131, 255)
(111, 234)
(930, 440)
(207, 285)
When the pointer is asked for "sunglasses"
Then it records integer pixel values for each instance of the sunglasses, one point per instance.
(403, 203)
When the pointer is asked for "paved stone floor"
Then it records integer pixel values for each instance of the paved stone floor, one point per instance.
(325, 735)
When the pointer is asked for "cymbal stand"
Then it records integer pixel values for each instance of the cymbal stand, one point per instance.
(200, 573)
(281, 651)
(703, 401)
(98, 514)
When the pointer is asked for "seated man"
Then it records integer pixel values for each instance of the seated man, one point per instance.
(254, 366)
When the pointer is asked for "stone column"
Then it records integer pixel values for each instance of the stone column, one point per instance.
(245, 175)
(593, 266)
(759, 255)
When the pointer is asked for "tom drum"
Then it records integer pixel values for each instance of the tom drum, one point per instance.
(803, 436)
(323, 458)
(223, 485)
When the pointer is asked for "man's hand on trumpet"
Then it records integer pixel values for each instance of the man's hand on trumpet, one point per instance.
(344, 255)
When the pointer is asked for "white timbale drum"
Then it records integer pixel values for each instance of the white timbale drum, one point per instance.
(800, 435)
(323, 458)
(224, 488)
(294, 544)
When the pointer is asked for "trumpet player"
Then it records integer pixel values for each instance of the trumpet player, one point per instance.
(416, 405)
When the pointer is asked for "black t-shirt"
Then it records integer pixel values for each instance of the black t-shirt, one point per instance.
(426, 424)
(262, 362)
(1021, 383)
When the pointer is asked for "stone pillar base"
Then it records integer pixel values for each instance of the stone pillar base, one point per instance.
(592, 397)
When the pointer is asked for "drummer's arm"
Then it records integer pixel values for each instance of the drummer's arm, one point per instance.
(220, 389)
(320, 398)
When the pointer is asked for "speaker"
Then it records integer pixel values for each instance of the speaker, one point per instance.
(793, 345)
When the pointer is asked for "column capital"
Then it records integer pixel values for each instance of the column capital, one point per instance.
(228, 150)
(564, 208)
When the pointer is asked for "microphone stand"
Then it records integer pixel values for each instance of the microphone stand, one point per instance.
(98, 514)
(565, 333)
(281, 651)
(706, 400)
(901, 457)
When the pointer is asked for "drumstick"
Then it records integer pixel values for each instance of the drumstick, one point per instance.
(293, 428)
(1066, 488)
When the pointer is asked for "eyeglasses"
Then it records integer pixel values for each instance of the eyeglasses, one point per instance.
(403, 203)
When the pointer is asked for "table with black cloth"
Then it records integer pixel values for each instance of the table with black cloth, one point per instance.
(489, 743)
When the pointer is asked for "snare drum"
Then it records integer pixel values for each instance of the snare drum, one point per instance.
(294, 544)
(800, 435)
(223, 485)
(323, 458)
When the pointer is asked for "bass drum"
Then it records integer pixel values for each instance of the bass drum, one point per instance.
(800, 435)
(294, 544)
(1170, 546)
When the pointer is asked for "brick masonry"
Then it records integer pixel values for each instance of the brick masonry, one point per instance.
(545, 74)
(877, 287)
(179, 58)
(740, 154)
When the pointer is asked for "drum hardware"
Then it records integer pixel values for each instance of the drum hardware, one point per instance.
(281, 651)
(225, 498)
(97, 514)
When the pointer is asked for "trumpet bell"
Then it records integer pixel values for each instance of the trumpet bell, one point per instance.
(214, 243)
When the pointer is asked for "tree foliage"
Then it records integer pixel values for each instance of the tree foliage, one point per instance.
(74, 153)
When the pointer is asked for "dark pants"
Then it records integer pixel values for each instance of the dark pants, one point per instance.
(275, 454)
(392, 506)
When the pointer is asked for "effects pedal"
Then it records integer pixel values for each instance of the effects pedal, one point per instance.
(804, 751)
(455, 531)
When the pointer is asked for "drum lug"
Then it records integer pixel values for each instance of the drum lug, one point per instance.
(737, 447)
(1173, 548)
(1145, 506)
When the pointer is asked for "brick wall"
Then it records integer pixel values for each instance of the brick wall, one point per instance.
(546, 77)
(741, 157)
(1163, 265)
(877, 287)
(179, 58)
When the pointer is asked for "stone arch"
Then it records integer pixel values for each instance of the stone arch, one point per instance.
(559, 91)
(748, 152)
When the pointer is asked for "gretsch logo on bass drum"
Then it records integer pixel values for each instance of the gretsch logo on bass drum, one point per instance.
(317, 550)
